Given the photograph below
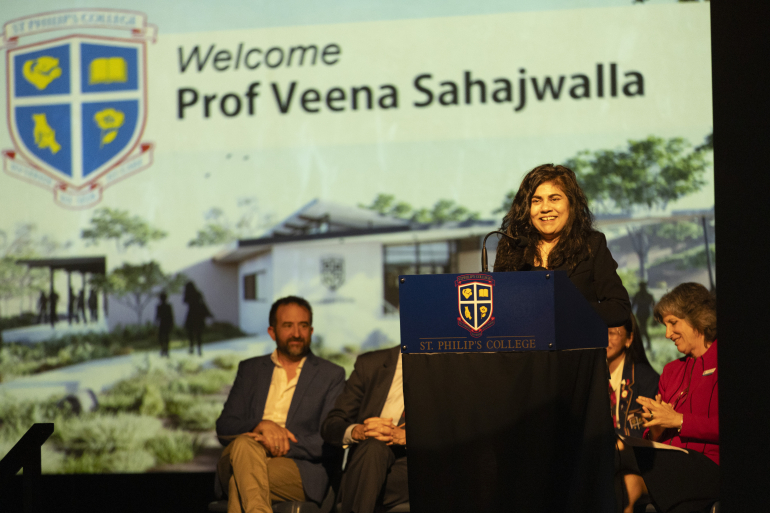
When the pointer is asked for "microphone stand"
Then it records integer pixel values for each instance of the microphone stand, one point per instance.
(520, 242)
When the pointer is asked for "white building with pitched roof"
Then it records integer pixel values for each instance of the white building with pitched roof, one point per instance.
(346, 261)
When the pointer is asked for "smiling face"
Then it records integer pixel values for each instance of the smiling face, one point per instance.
(292, 331)
(687, 339)
(549, 211)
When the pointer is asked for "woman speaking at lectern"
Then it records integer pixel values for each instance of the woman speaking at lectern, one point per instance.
(551, 212)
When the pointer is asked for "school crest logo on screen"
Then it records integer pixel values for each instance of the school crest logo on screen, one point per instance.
(77, 103)
(333, 272)
(475, 302)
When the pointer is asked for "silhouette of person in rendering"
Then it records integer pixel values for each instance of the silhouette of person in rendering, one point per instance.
(42, 306)
(93, 305)
(164, 317)
(643, 303)
(197, 311)
(71, 301)
(80, 309)
(53, 301)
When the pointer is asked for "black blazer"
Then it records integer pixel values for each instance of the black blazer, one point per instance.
(364, 395)
(639, 379)
(596, 278)
(319, 384)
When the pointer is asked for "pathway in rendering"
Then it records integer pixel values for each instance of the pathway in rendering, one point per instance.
(100, 375)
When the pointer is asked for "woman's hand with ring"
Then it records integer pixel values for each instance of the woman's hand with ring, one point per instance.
(660, 415)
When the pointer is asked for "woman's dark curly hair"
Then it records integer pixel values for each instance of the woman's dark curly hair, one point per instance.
(573, 241)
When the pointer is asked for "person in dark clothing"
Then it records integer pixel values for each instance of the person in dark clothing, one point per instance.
(270, 423)
(93, 305)
(81, 305)
(197, 311)
(53, 301)
(551, 211)
(42, 306)
(71, 303)
(164, 317)
(631, 376)
(643, 302)
(368, 416)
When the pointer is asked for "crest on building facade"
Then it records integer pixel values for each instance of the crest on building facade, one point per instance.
(333, 272)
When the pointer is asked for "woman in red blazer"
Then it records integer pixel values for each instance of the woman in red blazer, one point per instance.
(684, 414)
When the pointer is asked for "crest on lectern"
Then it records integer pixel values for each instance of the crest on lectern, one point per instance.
(475, 302)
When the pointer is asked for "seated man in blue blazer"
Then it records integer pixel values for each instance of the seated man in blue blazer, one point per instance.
(272, 418)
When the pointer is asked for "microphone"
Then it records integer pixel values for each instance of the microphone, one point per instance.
(520, 242)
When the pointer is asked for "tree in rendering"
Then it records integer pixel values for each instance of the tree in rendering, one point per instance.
(220, 229)
(443, 210)
(120, 226)
(645, 176)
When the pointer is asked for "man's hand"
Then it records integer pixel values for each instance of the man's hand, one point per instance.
(273, 437)
(399, 435)
(374, 427)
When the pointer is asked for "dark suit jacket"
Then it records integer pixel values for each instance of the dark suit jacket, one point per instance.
(319, 384)
(364, 395)
(596, 278)
(639, 379)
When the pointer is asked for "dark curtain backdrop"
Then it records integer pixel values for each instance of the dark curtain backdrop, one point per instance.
(739, 43)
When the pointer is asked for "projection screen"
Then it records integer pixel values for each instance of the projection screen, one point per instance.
(237, 152)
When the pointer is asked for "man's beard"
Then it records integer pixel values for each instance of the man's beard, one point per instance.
(293, 350)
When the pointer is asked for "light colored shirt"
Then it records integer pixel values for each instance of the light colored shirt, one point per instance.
(615, 378)
(281, 392)
(394, 404)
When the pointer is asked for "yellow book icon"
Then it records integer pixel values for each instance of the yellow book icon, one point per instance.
(106, 70)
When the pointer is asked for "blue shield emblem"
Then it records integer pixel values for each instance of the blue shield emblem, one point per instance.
(475, 302)
(77, 107)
